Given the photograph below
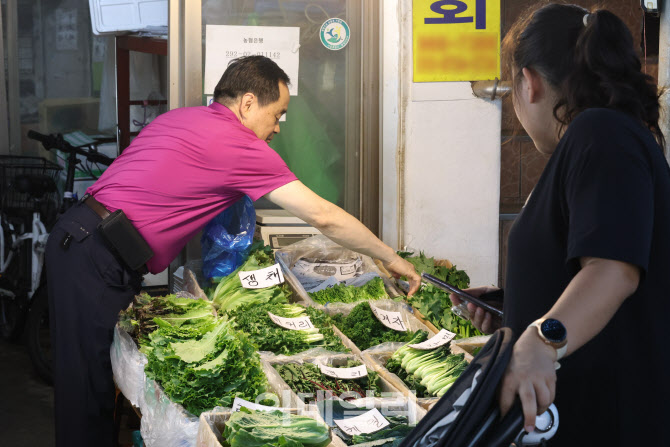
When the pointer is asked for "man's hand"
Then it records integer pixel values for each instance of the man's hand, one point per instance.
(401, 267)
(531, 376)
(481, 319)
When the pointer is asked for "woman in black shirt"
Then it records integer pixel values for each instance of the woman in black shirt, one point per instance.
(590, 251)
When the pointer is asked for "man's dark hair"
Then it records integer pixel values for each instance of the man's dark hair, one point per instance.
(251, 74)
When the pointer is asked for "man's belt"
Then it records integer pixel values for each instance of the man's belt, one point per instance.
(96, 206)
(104, 213)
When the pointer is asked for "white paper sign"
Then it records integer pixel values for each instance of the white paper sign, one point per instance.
(344, 373)
(226, 42)
(392, 320)
(262, 278)
(369, 422)
(442, 338)
(295, 324)
(239, 403)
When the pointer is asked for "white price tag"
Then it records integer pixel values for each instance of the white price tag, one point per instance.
(442, 338)
(262, 278)
(392, 320)
(345, 373)
(369, 422)
(239, 403)
(295, 324)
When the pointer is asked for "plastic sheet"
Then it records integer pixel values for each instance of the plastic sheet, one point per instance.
(165, 423)
(316, 259)
(128, 367)
(227, 238)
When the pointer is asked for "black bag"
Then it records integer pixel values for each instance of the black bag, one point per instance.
(467, 415)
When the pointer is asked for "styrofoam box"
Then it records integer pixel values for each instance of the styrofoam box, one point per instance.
(110, 16)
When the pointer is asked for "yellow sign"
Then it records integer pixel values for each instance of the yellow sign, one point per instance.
(456, 40)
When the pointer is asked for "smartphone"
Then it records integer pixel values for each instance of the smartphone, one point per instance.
(488, 306)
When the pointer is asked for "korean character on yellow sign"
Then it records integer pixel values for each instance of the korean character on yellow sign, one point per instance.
(456, 40)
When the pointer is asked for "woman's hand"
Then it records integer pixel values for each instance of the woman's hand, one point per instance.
(531, 375)
(401, 267)
(481, 319)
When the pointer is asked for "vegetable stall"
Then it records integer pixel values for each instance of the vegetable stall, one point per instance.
(291, 349)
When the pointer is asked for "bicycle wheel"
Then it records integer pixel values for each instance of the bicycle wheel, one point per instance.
(38, 337)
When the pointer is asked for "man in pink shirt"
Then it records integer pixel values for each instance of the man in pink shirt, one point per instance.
(183, 169)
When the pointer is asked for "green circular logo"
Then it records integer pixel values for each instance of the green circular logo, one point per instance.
(335, 34)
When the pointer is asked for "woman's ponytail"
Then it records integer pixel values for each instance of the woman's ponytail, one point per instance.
(589, 58)
(607, 73)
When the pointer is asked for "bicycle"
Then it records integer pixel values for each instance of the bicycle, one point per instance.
(28, 191)
(34, 308)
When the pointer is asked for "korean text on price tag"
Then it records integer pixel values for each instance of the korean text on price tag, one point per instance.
(239, 403)
(262, 278)
(442, 338)
(344, 373)
(295, 324)
(369, 422)
(392, 320)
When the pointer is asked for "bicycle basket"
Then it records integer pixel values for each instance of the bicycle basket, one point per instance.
(13, 166)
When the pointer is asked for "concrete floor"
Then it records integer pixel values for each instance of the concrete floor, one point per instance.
(26, 402)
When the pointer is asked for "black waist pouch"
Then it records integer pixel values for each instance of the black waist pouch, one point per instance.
(125, 240)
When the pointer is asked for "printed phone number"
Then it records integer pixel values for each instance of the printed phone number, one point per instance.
(268, 54)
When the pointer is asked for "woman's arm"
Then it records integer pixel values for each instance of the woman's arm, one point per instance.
(585, 307)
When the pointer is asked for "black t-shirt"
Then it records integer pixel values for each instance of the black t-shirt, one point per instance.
(604, 193)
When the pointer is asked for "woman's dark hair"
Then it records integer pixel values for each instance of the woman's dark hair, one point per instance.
(251, 74)
(589, 58)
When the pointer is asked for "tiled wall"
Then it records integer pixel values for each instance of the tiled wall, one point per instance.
(521, 164)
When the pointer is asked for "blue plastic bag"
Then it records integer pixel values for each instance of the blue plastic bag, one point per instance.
(227, 238)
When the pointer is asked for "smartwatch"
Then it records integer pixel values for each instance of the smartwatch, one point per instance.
(553, 333)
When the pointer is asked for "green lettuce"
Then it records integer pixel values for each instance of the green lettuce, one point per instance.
(208, 372)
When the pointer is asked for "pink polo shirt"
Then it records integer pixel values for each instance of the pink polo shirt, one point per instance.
(182, 170)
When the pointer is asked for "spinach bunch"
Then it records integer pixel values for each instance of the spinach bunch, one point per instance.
(268, 336)
(340, 293)
(247, 428)
(434, 303)
(365, 330)
(307, 378)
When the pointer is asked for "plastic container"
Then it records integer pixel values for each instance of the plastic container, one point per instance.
(114, 16)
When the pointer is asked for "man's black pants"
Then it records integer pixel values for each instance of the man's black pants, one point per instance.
(88, 286)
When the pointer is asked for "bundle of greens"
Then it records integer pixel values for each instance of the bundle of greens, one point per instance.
(212, 371)
(247, 428)
(181, 317)
(392, 435)
(307, 378)
(430, 373)
(229, 293)
(365, 330)
(434, 303)
(340, 293)
(268, 336)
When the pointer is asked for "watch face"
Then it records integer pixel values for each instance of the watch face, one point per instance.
(553, 330)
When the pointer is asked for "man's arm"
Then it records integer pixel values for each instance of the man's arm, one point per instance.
(341, 227)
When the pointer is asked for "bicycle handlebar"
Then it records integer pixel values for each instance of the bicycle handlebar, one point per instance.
(56, 141)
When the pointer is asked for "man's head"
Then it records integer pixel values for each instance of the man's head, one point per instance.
(256, 90)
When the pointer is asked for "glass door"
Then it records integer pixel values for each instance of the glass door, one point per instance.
(320, 139)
